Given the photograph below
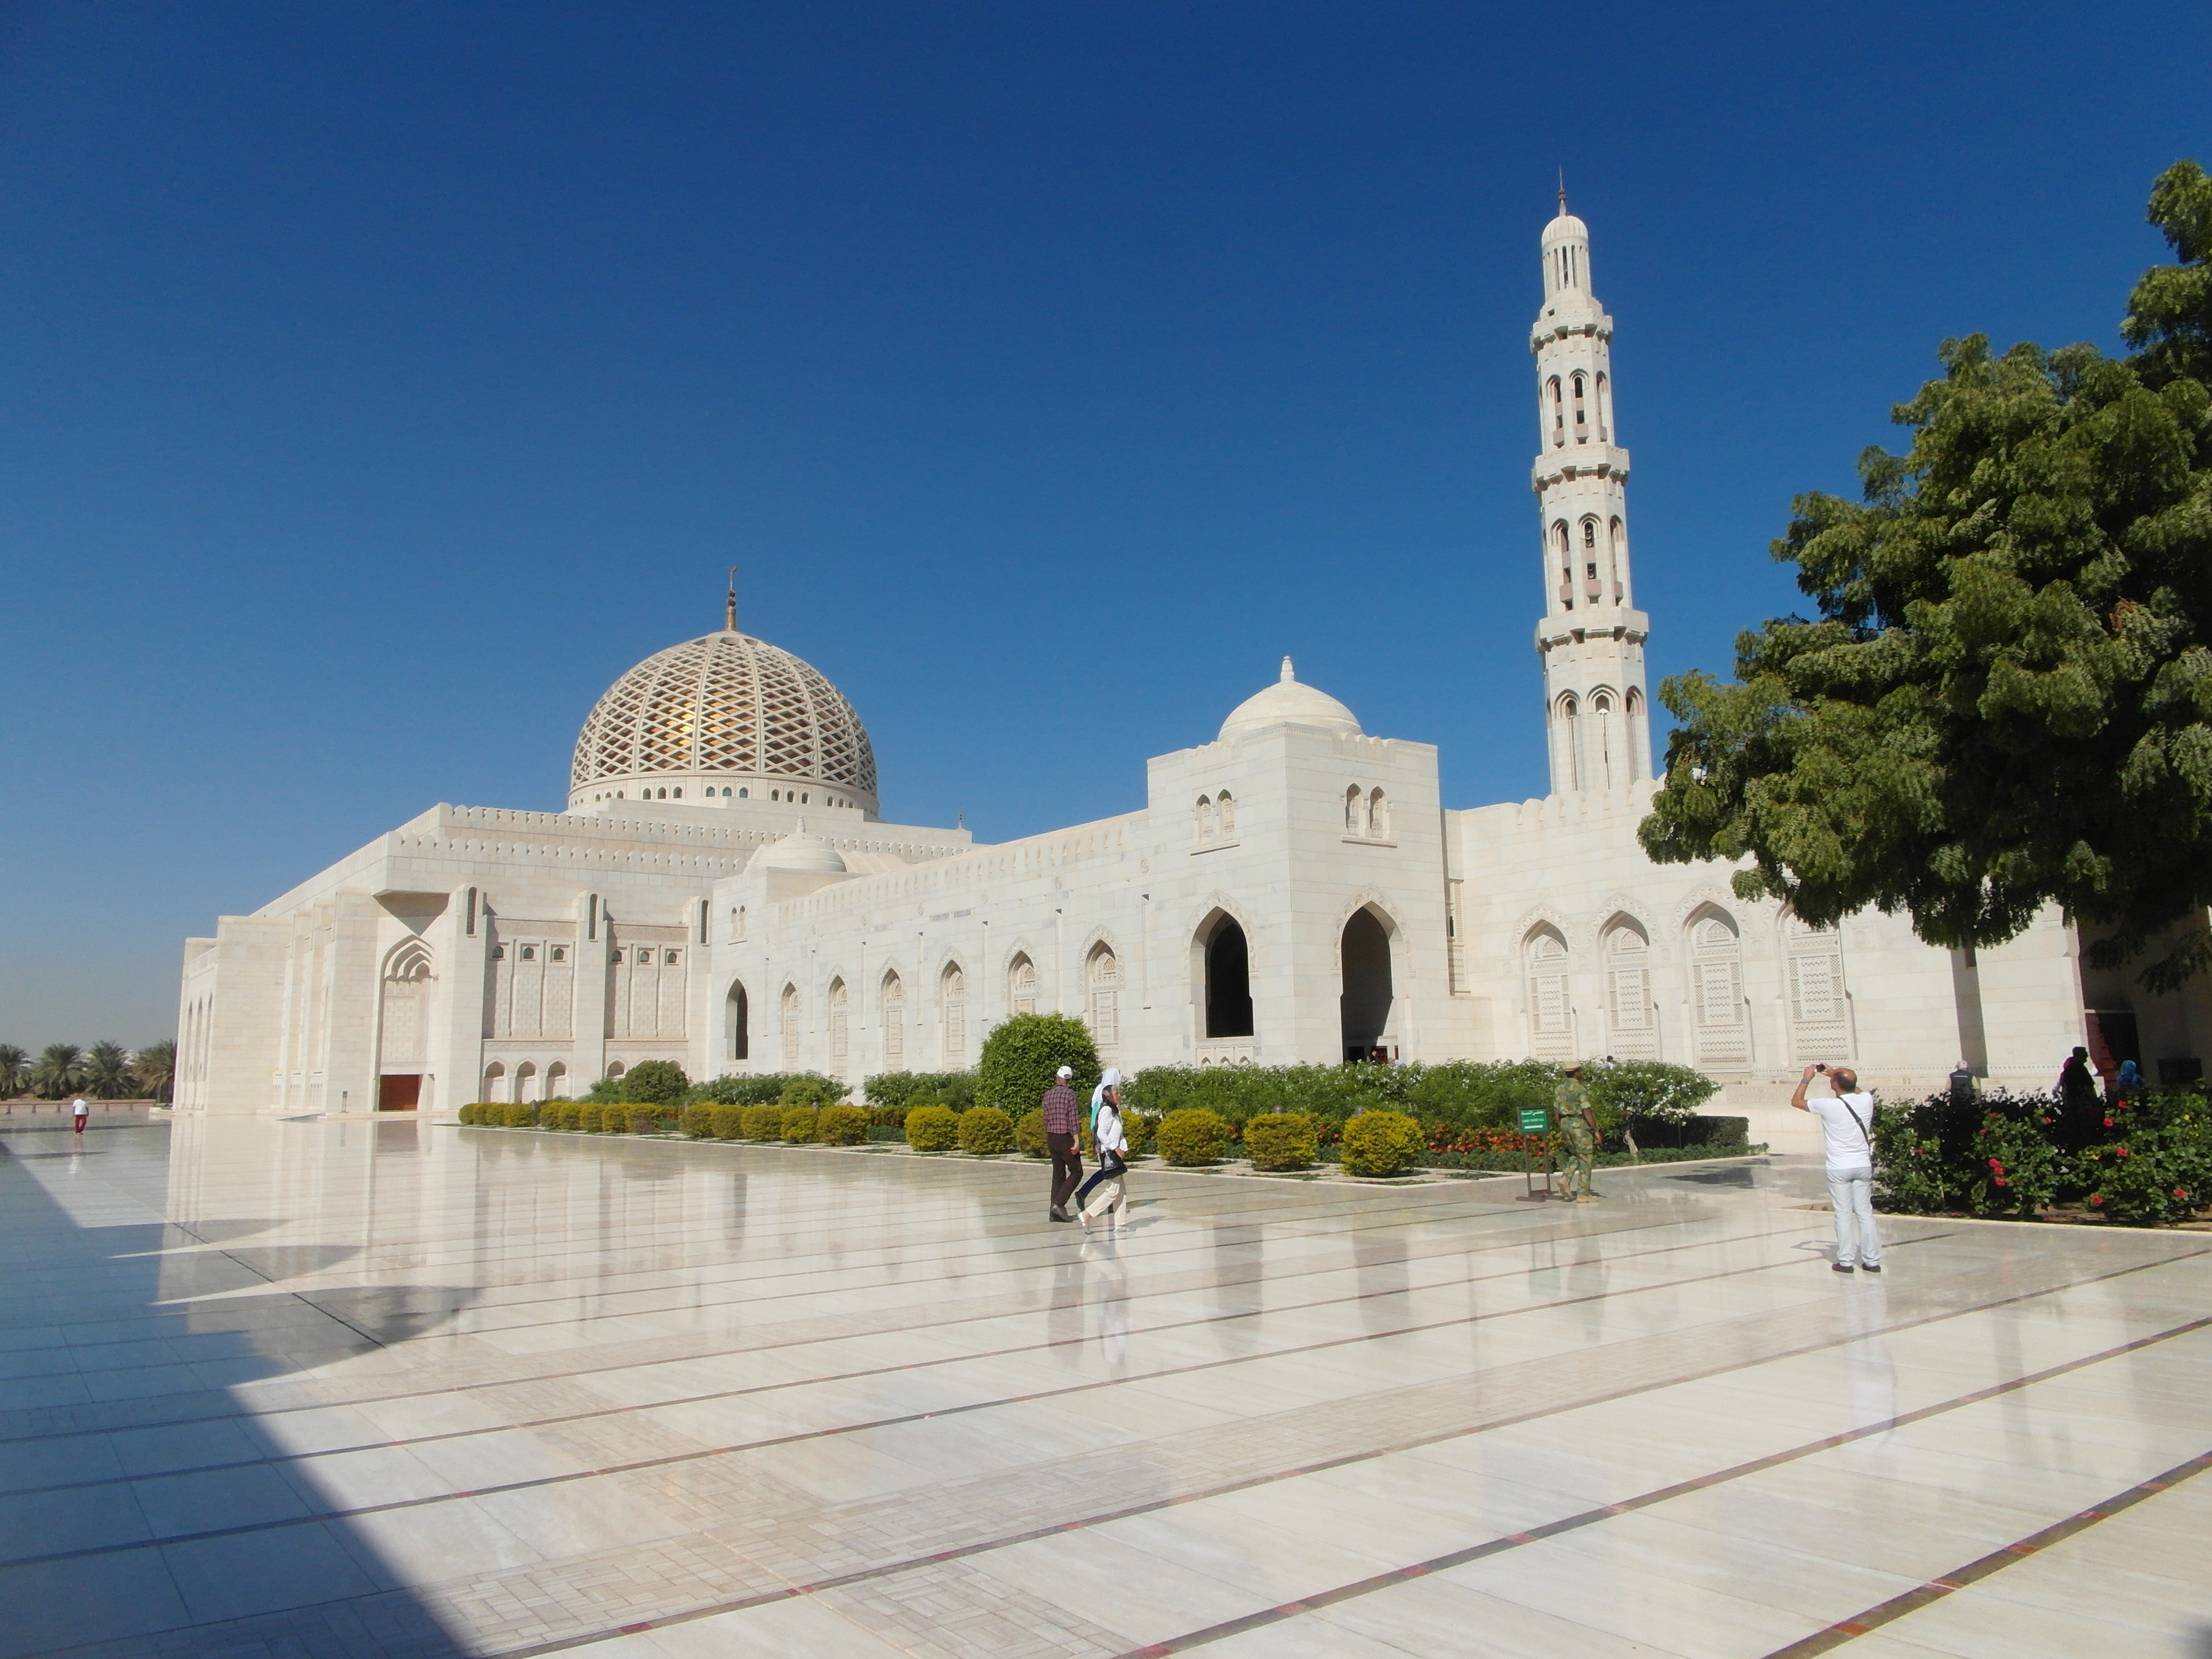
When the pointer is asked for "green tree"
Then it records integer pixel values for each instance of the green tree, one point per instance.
(1019, 1058)
(106, 1072)
(15, 1071)
(2007, 696)
(59, 1070)
(154, 1067)
(653, 1083)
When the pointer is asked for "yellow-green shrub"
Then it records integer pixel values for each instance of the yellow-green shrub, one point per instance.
(1286, 1140)
(516, 1115)
(642, 1120)
(560, 1114)
(1381, 1143)
(468, 1113)
(1029, 1135)
(799, 1122)
(932, 1128)
(1193, 1135)
(842, 1126)
(726, 1123)
(762, 1122)
(985, 1132)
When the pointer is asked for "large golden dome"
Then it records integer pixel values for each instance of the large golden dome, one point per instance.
(723, 713)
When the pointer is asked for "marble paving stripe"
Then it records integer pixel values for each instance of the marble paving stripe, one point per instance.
(1883, 1613)
(1818, 1643)
(936, 1316)
(1046, 1347)
(868, 1424)
(890, 1568)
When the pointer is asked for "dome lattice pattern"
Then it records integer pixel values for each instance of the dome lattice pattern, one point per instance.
(725, 703)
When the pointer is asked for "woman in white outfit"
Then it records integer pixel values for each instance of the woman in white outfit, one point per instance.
(1847, 1132)
(1106, 1132)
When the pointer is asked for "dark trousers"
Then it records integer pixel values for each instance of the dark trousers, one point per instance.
(1066, 1167)
(1110, 1166)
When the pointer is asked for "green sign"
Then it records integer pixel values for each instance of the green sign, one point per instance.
(1534, 1121)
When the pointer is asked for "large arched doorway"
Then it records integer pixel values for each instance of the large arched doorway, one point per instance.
(1228, 980)
(1365, 1002)
(738, 1017)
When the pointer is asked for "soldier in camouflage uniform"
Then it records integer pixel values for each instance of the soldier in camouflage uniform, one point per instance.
(1578, 1122)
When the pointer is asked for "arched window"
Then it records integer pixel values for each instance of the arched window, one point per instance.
(1819, 1013)
(788, 1015)
(1559, 415)
(1022, 985)
(495, 1082)
(1378, 816)
(525, 1083)
(737, 924)
(1631, 1020)
(737, 1022)
(1568, 737)
(840, 1033)
(1716, 990)
(616, 1069)
(1228, 813)
(556, 1081)
(1208, 825)
(1228, 964)
(892, 1008)
(1563, 551)
(1550, 1009)
(403, 1029)
(743, 794)
(1103, 976)
(953, 996)
(1616, 543)
(1582, 417)
(1604, 409)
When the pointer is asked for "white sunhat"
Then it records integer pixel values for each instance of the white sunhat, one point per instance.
(1065, 1071)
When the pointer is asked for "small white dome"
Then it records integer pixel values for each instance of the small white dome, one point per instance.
(799, 851)
(1287, 702)
(1565, 228)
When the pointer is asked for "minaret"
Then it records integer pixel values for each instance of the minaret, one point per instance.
(1591, 639)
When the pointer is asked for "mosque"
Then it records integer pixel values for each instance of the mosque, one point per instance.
(723, 891)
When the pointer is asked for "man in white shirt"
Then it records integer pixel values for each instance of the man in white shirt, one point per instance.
(1847, 1130)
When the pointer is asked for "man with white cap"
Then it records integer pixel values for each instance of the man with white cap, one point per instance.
(1063, 1117)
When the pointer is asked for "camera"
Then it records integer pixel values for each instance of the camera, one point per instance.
(1820, 1068)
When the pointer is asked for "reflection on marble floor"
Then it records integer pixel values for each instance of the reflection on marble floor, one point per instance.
(351, 1388)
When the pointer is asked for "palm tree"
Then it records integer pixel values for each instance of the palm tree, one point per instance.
(155, 1065)
(15, 1071)
(106, 1072)
(60, 1069)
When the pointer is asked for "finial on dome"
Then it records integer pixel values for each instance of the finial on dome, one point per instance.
(1289, 672)
(730, 606)
(1563, 192)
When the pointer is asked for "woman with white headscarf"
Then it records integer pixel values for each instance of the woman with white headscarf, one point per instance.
(1106, 1134)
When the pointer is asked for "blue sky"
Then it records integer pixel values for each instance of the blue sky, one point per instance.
(377, 382)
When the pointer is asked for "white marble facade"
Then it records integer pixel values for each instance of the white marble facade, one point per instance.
(722, 891)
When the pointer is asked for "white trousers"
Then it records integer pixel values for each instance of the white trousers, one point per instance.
(1850, 1194)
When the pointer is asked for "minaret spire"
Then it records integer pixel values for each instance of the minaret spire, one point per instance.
(730, 606)
(1591, 639)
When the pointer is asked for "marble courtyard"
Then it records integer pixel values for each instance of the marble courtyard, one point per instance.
(348, 1387)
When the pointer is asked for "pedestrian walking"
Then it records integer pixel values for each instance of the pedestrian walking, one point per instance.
(2130, 1087)
(1063, 1116)
(1570, 1101)
(2078, 1091)
(1847, 1134)
(1112, 1144)
(79, 1112)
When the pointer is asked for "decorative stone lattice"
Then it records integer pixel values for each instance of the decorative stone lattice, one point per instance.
(725, 703)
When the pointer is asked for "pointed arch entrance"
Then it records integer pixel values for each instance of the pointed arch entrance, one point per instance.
(1364, 1005)
(1225, 956)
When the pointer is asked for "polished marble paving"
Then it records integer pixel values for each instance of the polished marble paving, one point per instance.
(353, 1388)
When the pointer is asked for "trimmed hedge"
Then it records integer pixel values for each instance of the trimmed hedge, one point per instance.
(763, 1122)
(932, 1128)
(1019, 1057)
(842, 1126)
(1286, 1140)
(1029, 1135)
(1193, 1135)
(1382, 1142)
(902, 1092)
(985, 1132)
(771, 1089)
(642, 1120)
(798, 1123)
(653, 1083)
